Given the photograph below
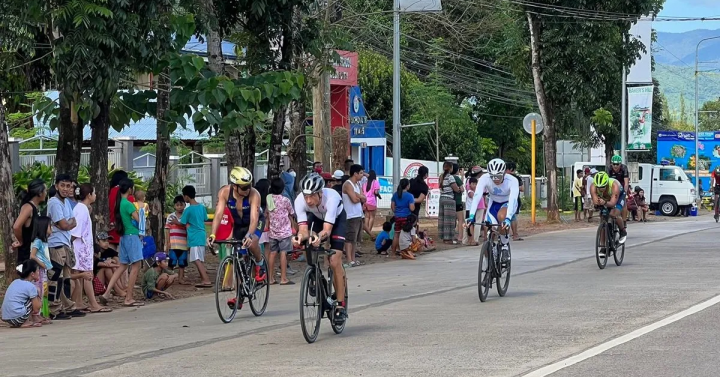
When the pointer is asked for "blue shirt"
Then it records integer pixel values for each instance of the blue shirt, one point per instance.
(59, 210)
(194, 216)
(402, 205)
(380, 238)
(16, 296)
(289, 191)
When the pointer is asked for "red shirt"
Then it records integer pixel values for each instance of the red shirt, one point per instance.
(114, 237)
(716, 178)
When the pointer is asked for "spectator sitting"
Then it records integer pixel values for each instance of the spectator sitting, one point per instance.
(409, 243)
(176, 247)
(383, 240)
(21, 305)
(104, 265)
(40, 252)
(158, 278)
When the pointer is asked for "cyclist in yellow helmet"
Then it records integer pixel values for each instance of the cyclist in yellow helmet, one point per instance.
(608, 192)
(244, 204)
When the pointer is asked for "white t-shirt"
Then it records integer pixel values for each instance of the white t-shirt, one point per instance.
(506, 192)
(589, 183)
(353, 210)
(406, 238)
(328, 210)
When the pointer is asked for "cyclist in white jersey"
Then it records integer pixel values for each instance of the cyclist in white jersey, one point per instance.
(503, 190)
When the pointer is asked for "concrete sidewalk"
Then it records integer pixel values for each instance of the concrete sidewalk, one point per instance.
(100, 341)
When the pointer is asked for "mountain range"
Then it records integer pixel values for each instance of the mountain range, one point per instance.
(674, 55)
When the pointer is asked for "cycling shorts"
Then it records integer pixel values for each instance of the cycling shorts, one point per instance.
(337, 235)
(492, 212)
(620, 205)
(239, 232)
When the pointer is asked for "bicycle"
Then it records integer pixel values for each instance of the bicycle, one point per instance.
(236, 274)
(494, 268)
(608, 231)
(317, 298)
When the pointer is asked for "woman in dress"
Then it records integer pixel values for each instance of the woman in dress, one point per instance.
(447, 216)
(372, 192)
(83, 246)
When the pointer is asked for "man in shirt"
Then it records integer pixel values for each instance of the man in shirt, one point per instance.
(419, 189)
(353, 200)
(61, 253)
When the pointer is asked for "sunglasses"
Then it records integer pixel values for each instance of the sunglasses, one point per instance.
(497, 177)
(244, 188)
(616, 164)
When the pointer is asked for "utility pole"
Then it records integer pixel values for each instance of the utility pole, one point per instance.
(321, 107)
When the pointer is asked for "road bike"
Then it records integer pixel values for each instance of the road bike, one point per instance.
(607, 241)
(235, 282)
(317, 299)
(491, 266)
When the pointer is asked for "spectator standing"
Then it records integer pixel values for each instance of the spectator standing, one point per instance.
(339, 179)
(318, 167)
(470, 187)
(177, 248)
(130, 247)
(118, 176)
(22, 302)
(577, 193)
(353, 200)
(459, 205)
(24, 224)
(371, 190)
(402, 205)
(288, 178)
(511, 168)
(280, 214)
(589, 207)
(143, 211)
(447, 216)
(194, 217)
(61, 253)
(263, 188)
(158, 278)
(419, 189)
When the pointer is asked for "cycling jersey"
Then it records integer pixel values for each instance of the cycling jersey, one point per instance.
(329, 211)
(716, 177)
(241, 224)
(607, 195)
(503, 195)
(619, 175)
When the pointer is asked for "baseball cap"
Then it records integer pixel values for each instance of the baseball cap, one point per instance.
(338, 174)
(593, 171)
(102, 236)
(587, 170)
(327, 176)
(159, 257)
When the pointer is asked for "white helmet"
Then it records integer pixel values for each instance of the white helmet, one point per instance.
(312, 183)
(496, 166)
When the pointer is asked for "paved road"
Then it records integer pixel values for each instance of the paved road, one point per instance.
(423, 318)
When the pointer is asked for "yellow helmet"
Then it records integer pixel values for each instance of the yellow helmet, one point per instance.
(240, 176)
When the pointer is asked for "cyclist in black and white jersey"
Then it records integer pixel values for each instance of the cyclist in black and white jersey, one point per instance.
(322, 209)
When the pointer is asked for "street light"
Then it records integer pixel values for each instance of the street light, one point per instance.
(697, 121)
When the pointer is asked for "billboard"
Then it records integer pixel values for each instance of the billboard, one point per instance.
(641, 71)
(640, 100)
(678, 148)
(346, 69)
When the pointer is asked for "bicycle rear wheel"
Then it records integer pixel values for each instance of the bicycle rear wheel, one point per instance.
(503, 278)
(311, 300)
(601, 246)
(484, 268)
(338, 328)
(227, 294)
(259, 293)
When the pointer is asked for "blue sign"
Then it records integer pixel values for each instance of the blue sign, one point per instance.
(678, 148)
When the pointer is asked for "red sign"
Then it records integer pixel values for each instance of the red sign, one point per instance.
(433, 183)
(346, 69)
(412, 170)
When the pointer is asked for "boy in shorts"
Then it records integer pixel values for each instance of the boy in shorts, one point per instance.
(176, 236)
(194, 218)
(158, 278)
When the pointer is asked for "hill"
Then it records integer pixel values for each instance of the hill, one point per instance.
(675, 80)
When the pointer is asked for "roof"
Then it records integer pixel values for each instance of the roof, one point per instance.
(143, 130)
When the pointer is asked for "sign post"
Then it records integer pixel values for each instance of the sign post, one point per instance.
(533, 125)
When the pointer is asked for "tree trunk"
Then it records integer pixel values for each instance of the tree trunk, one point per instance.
(322, 141)
(99, 165)
(7, 199)
(297, 149)
(157, 190)
(248, 141)
(546, 111)
(276, 138)
(70, 139)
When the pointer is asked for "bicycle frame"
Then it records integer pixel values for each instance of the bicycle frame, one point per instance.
(608, 222)
(312, 256)
(242, 265)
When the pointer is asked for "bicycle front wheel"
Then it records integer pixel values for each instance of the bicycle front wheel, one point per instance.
(619, 254)
(259, 293)
(227, 294)
(601, 246)
(503, 278)
(484, 269)
(311, 299)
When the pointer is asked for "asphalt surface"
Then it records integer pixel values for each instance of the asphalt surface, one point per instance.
(562, 315)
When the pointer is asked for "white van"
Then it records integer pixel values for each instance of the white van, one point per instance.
(667, 188)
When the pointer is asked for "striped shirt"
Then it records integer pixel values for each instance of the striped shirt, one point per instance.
(178, 233)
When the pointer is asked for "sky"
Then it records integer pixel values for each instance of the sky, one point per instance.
(688, 8)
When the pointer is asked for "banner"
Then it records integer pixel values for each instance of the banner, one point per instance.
(641, 71)
(640, 118)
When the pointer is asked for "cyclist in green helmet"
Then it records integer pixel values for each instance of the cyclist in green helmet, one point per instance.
(608, 192)
(619, 171)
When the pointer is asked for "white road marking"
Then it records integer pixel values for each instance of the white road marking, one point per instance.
(592, 352)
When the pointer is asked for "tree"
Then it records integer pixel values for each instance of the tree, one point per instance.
(709, 116)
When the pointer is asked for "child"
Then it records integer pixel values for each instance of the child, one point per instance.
(409, 243)
(469, 238)
(383, 240)
(143, 211)
(176, 247)
(21, 306)
(158, 278)
(280, 218)
(104, 265)
(40, 252)
(194, 217)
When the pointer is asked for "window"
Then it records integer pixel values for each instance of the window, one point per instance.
(669, 174)
(640, 174)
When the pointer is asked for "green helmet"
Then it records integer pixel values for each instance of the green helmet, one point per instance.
(616, 159)
(601, 179)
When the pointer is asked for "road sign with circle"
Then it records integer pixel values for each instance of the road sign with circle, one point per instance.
(527, 123)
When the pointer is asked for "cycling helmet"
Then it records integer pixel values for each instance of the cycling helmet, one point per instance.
(312, 183)
(240, 176)
(496, 167)
(475, 171)
(601, 179)
(616, 159)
